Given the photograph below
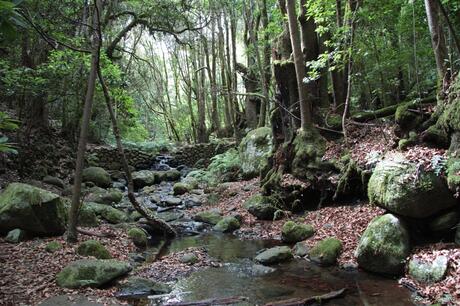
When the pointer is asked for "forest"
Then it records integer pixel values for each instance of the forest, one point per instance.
(229, 152)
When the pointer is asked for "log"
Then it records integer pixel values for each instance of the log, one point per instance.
(318, 299)
(213, 301)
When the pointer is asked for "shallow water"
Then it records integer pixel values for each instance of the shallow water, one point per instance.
(295, 279)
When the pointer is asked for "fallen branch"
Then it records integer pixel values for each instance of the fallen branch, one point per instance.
(214, 301)
(318, 299)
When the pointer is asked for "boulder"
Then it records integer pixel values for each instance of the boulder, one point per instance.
(98, 176)
(294, 232)
(227, 224)
(55, 181)
(137, 286)
(171, 175)
(300, 249)
(453, 174)
(145, 178)
(138, 236)
(171, 201)
(189, 258)
(254, 150)
(108, 213)
(103, 196)
(428, 272)
(32, 209)
(261, 207)
(87, 217)
(444, 222)
(53, 246)
(180, 188)
(399, 186)
(274, 255)
(384, 246)
(16, 236)
(326, 251)
(91, 273)
(208, 216)
(93, 248)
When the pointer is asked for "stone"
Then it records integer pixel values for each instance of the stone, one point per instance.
(98, 176)
(261, 207)
(180, 188)
(171, 175)
(87, 217)
(326, 252)
(91, 273)
(103, 196)
(15, 236)
(444, 222)
(55, 181)
(145, 178)
(138, 236)
(108, 213)
(400, 187)
(384, 246)
(295, 232)
(171, 201)
(32, 209)
(300, 249)
(93, 248)
(227, 224)
(254, 151)
(428, 272)
(274, 255)
(189, 258)
(260, 270)
(53, 246)
(209, 216)
(138, 286)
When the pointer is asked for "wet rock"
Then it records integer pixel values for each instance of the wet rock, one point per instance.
(119, 185)
(400, 187)
(444, 222)
(295, 232)
(180, 188)
(384, 246)
(53, 246)
(261, 207)
(227, 224)
(209, 216)
(93, 248)
(189, 258)
(172, 201)
(254, 150)
(326, 251)
(91, 273)
(170, 215)
(55, 181)
(32, 209)
(138, 236)
(108, 213)
(145, 178)
(428, 272)
(192, 201)
(274, 255)
(137, 286)
(300, 249)
(98, 176)
(260, 270)
(15, 236)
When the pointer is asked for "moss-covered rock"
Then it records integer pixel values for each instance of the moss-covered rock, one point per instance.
(274, 255)
(55, 181)
(444, 222)
(113, 215)
(180, 188)
(309, 148)
(227, 224)
(404, 143)
(91, 273)
(406, 119)
(138, 236)
(145, 178)
(170, 175)
(53, 246)
(87, 217)
(326, 251)
(98, 176)
(384, 246)
(254, 150)
(401, 187)
(93, 248)
(103, 196)
(189, 258)
(262, 207)
(453, 174)
(295, 232)
(428, 272)
(16, 236)
(32, 209)
(209, 216)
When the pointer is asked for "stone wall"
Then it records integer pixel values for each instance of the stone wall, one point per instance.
(189, 155)
(108, 158)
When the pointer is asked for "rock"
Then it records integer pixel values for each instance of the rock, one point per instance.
(98, 176)
(180, 188)
(274, 255)
(428, 272)
(400, 187)
(254, 150)
(227, 224)
(261, 207)
(326, 251)
(189, 258)
(135, 257)
(135, 216)
(145, 178)
(260, 270)
(55, 181)
(209, 216)
(171, 201)
(53, 246)
(171, 175)
(93, 248)
(32, 209)
(300, 249)
(295, 232)
(457, 235)
(453, 171)
(108, 213)
(87, 217)
(137, 286)
(91, 273)
(138, 236)
(444, 222)
(102, 196)
(15, 236)
(384, 246)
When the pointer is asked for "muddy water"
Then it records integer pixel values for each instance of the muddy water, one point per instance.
(295, 279)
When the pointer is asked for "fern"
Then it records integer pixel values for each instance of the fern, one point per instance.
(438, 164)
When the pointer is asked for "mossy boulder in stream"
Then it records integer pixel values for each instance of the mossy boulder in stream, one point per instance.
(209, 216)
(384, 246)
(254, 150)
(93, 248)
(91, 273)
(227, 224)
(326, 251)
(295, 232)
(262, 207)
(399, 186)
(98, 176)
(274, 255)
(32, 209)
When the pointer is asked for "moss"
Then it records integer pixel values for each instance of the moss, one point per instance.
(334, 121)
(93, 248)
(350, 182)
(138, 236)
(295, 232)
(98, 176)
(453, 174)
(227, 224)
(53, 246)
(262, 207)
(209, 216)
(180, 188)
(113, 215)
(254, 151)
(436, 136)
(309, 148)
(406, 119)
(326, 251)
(87, 217)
